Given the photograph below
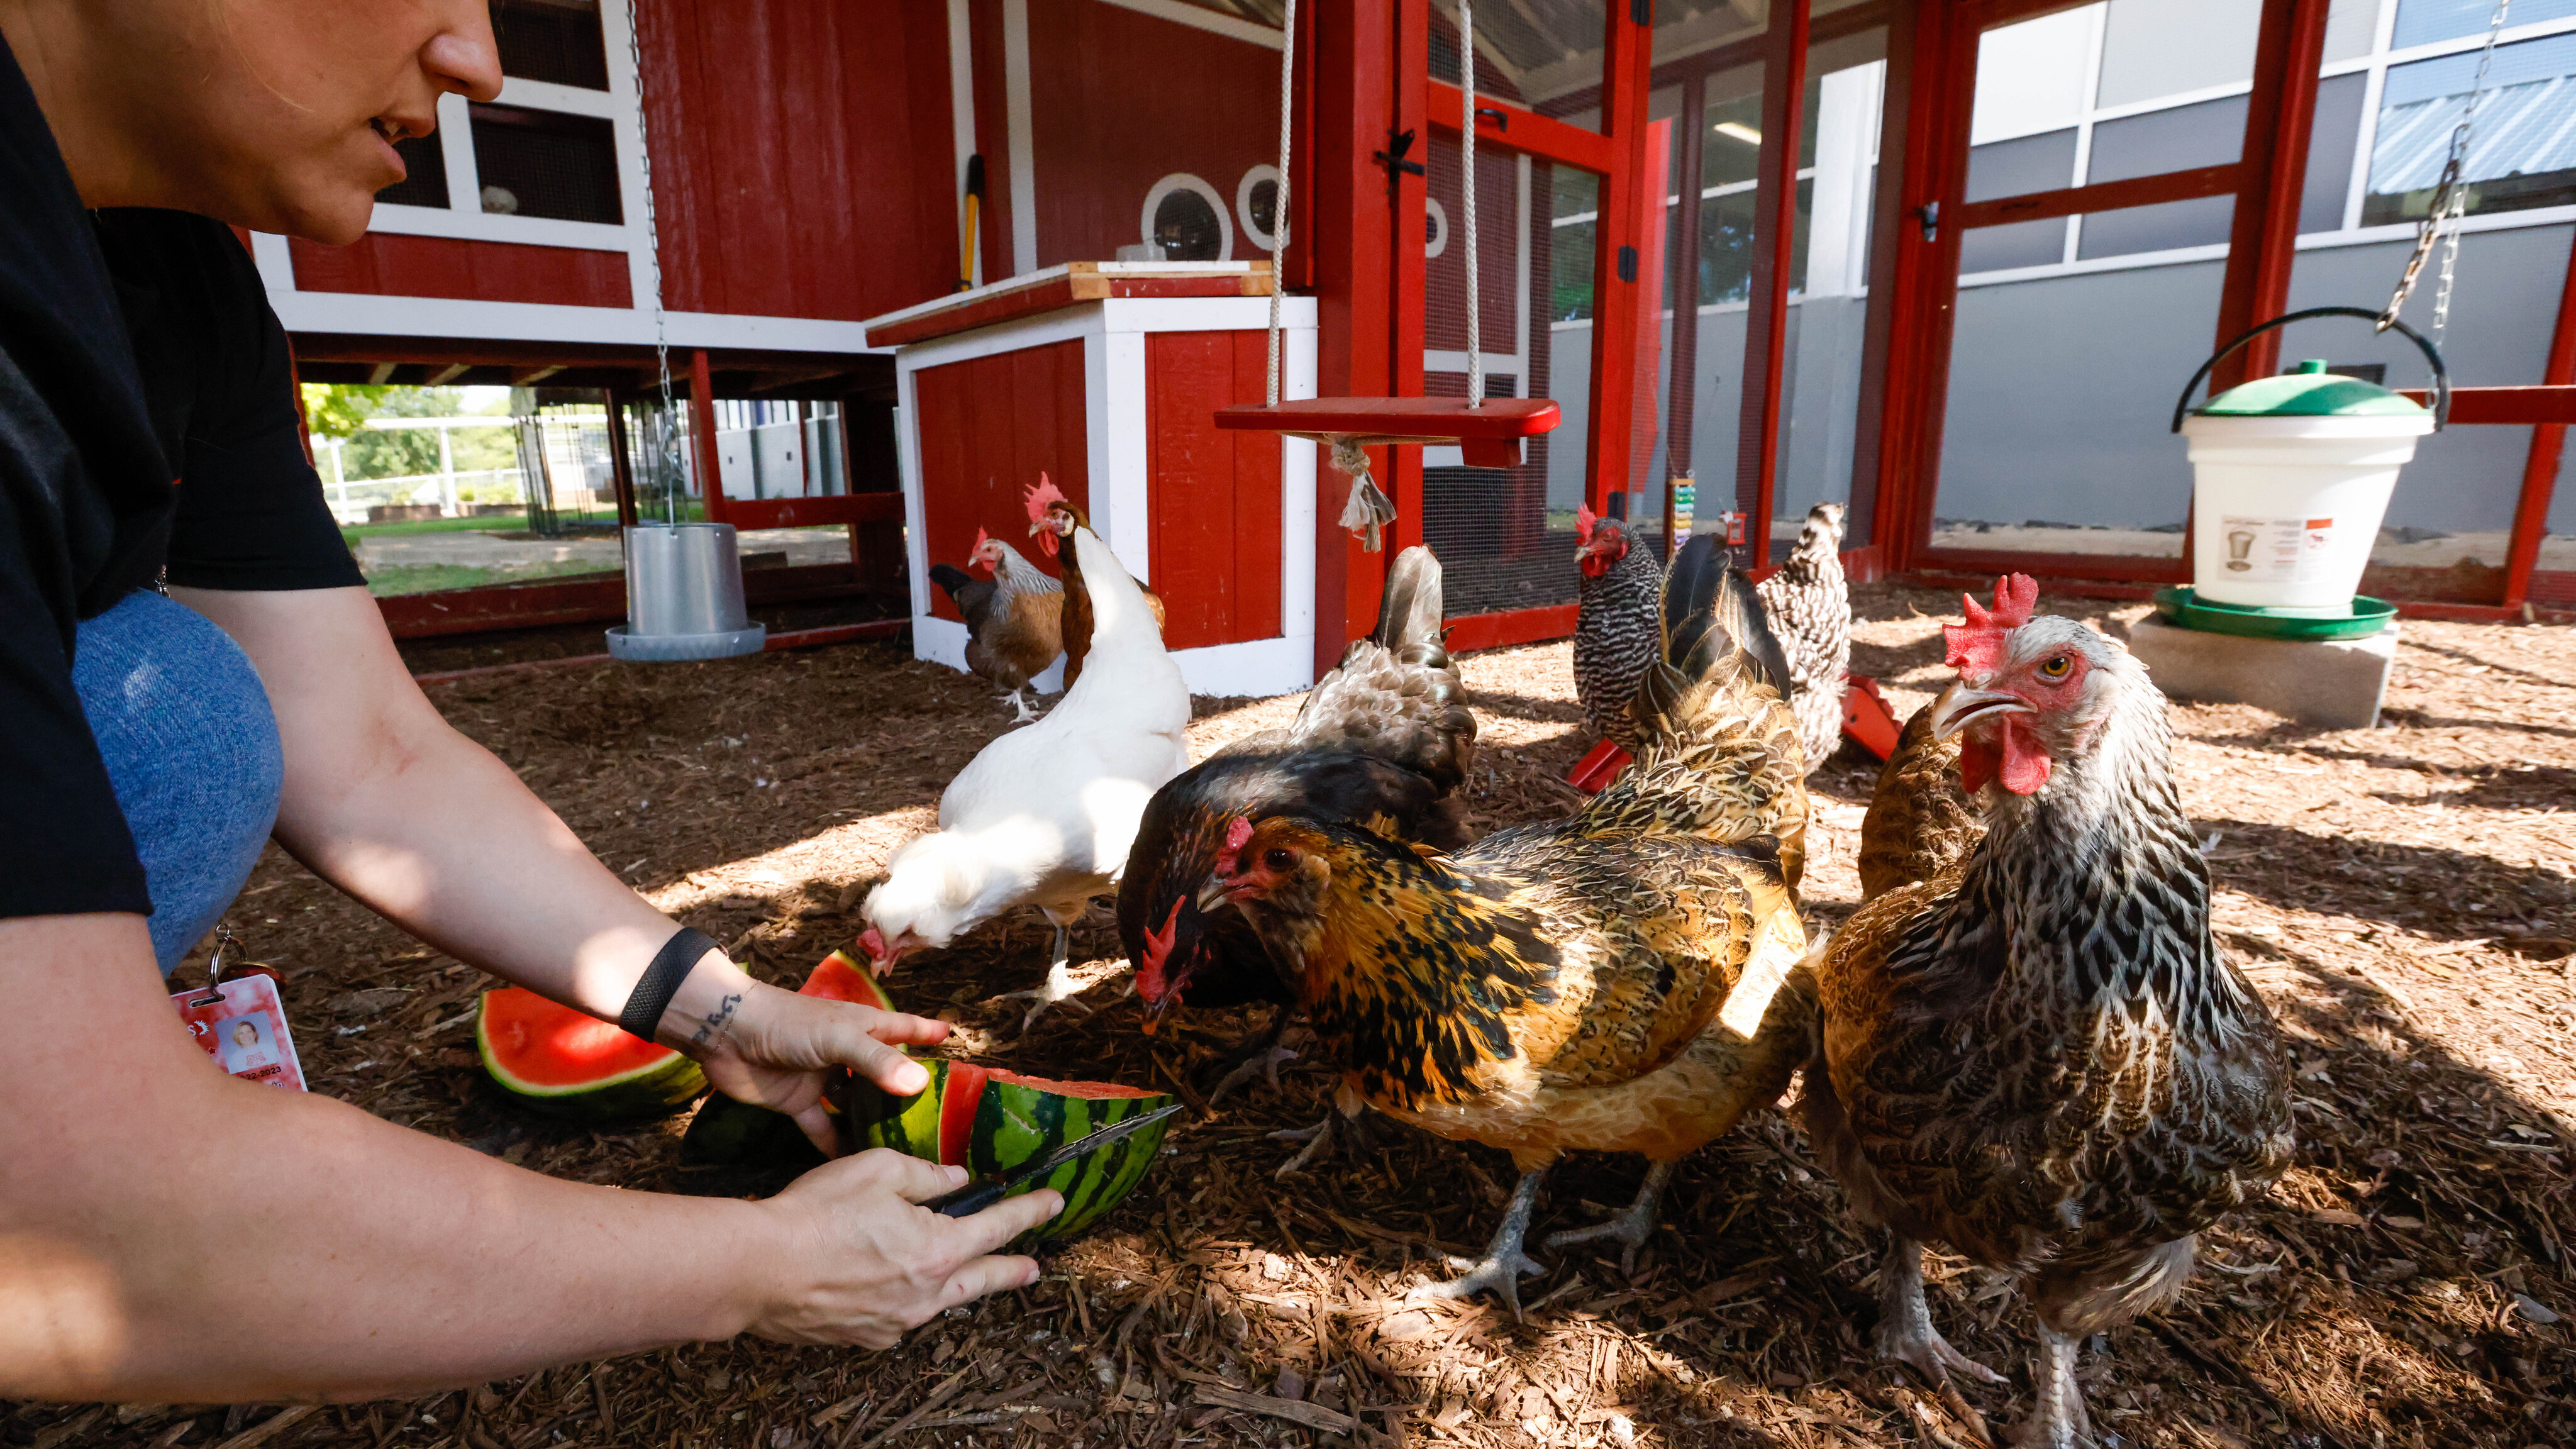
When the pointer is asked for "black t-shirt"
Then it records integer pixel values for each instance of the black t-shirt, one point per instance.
(147, 418)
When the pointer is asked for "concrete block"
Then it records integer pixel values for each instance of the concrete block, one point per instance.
(2337, 684)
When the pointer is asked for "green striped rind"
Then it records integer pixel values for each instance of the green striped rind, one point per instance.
(726, 1132)
(1017, 1124)
(906, 1124)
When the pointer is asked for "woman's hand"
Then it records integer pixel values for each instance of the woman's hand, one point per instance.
(776, 1049)
(869, 1264)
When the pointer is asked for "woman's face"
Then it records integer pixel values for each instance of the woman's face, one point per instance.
(245, 1034)
(279, 115)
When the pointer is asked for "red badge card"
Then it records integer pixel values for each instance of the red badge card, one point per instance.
(242, 1025)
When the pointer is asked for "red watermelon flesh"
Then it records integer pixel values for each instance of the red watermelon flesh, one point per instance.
(957, 1103)
(838, 978)
(555, 1059)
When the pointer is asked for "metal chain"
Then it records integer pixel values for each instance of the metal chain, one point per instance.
(2443, 213)
(1467, 196)
(669, 430)
(1279, 207)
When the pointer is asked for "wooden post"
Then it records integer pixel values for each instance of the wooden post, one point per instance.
(2540, 465)
(1616, 263)
(702, 434)
(1775, 210)
(1685, 304)
(621, 468)
(2274, 170)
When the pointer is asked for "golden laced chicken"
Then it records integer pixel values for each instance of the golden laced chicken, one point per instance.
(1919, 820)
(1382, 741)
(1014, 620)
(1610, 982)
(1810, 608)
(1615, 636)
(1043, 815)
(1052, 517)
(2038, 1056)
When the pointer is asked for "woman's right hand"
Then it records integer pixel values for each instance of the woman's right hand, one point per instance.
(864, 1263)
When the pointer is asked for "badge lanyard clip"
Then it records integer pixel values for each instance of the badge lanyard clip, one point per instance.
(214, 993)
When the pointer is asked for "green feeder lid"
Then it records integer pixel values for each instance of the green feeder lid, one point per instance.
(2308, 391)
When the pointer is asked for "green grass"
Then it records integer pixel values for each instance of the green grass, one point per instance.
(391, 579)
(488, 523)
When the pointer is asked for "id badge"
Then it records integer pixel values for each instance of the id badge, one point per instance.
(241, 1023)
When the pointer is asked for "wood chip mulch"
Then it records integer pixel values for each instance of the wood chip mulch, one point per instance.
(2405, 897)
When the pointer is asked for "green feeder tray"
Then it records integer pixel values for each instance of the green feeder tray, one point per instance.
(2182, 607)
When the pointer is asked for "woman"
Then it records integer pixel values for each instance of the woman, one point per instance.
(153, 741)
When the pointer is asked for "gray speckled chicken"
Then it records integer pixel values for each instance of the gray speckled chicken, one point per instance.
(1810, 608)
(1617, 625)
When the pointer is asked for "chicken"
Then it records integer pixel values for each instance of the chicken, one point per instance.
(1052, 516)
(1043, 815)
(1919, 820)
(1383, 741)
(1611, 982)
(1810, 609)
(1013, 619)
(1614, 625)
(2038, 1057)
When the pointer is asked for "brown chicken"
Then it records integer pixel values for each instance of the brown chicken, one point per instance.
(1919, 820)
(1014, 627)
(2038, 1057)
(1053, 517)
(1611, 982)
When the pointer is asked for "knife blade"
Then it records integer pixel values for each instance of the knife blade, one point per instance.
(974, 1197)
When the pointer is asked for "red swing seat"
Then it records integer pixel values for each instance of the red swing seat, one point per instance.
(1487, 437)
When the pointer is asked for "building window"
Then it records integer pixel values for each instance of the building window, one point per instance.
(1185, 220)
(425, 181)
(547, 164)
(1256, 206)
(555, 41)
(2523, 154)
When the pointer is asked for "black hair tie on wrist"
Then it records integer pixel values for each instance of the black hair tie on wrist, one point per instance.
(661, 981)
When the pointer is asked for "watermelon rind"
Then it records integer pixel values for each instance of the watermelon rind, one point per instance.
(1018, 1122)
(727, 1133)
(657, 1088)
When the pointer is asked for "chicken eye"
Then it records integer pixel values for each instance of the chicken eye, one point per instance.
(1277, 859)
(2056, 668)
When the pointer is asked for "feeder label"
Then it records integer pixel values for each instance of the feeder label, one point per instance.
(2277, 550)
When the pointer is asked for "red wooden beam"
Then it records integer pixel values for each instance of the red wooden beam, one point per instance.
(2546, 406)
(813, 512)
(2108, 196)
(1409, 317)
(1014, 302)
(1512, 626)
(1522, 129)
(2265, 235)
(601, 599)
(1784, 90)
(702, 435)
(1617, 273)
(2540, 465)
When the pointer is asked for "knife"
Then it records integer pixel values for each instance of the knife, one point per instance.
(974, 1197)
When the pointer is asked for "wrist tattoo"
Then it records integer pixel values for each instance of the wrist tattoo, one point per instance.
(717, 1020)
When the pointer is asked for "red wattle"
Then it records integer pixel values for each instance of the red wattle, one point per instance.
(2026, 765)
(1976, 763)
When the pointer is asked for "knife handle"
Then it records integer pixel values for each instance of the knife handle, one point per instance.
(973, 1198)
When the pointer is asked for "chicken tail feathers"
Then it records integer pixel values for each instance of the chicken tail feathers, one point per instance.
(1409, 610)
(1710, 610)
(950, 578)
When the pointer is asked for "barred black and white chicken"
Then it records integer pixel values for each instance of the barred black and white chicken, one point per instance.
(1810, 607)
(1617, 627)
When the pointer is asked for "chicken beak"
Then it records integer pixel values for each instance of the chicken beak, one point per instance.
(1216, 894)
(1961, 706)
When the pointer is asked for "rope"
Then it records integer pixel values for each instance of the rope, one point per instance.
(1467, 197)
(669, 431)
(1279, 208)
(2450, 198)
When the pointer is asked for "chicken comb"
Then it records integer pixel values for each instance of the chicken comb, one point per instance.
(1041, 494)
(1978, 644)
(1238, 834)
(1584, 519)
(981, 538)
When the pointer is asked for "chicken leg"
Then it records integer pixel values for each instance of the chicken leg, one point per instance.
(2058, 1420)
(1504, 1264)
(1060, 985)
(1629, 1228)
(1905, 1331)
(1024, 714)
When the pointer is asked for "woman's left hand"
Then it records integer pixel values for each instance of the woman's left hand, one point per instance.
(774, 1048)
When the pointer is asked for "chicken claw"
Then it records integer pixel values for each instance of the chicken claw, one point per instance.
(1264, 1063)
(1024, 713)
(1318, 1137)
(1629, 1227)
(1504, 1264)
(1060, 985)
(1905, 1331)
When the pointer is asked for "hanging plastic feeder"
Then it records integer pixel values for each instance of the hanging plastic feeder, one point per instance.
(2291, 477)
(684, 596)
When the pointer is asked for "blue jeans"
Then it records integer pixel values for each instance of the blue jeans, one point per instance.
(191, 746)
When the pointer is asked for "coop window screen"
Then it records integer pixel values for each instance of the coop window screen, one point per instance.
(546, 164)
(555, 41)
(425, 184)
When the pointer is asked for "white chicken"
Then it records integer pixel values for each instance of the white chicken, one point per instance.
(1045, 814)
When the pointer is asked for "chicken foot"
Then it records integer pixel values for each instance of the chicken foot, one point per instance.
(1318, 1138)
(1060, 985)
(1504, 1264)
(1262, 1058)
(2058, 1420)
(1020, 705)
(1905, 1331)
(1630, 1227)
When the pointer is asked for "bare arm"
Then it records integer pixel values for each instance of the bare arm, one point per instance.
(169, 1233)
(385, 800)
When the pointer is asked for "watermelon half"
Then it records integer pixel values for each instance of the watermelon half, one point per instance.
(993, 1122)
(567, 1063)
(729, 1133)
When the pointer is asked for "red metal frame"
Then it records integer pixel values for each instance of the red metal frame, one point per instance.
(2263, 241)
(2540, 465)
(1766, 327)
(1522, 129)
(1617, 317)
